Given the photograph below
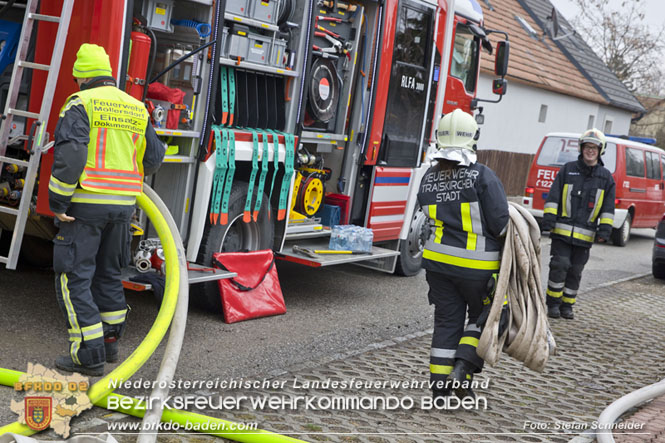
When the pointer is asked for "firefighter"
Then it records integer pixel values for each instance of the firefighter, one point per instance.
(104, 145)
(468, 212)
(579, 209)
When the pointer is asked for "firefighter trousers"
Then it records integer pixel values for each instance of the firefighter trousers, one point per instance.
(88, 256)
(452, 297)
(566, 265)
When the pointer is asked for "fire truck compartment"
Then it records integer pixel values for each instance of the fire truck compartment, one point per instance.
(288, 254)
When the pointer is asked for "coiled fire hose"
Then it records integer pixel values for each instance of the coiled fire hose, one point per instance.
(100, 392)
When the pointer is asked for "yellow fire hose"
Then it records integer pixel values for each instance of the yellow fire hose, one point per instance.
(100, 391)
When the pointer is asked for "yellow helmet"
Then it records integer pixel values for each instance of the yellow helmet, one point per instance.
(91, 61)
(457, 129)
(593, 136)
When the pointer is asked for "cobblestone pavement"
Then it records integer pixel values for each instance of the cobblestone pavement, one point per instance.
(650, 419)
(613, 347)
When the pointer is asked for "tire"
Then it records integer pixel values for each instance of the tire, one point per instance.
(235, 236)
(411, 250)
(658, 270)
(621, 236)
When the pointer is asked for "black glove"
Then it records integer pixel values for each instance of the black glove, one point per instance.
(487, 300)
(604, 233)
(505, 318)
(548, 223)
(482, 318)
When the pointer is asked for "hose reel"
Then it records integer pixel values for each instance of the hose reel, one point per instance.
(324, 90)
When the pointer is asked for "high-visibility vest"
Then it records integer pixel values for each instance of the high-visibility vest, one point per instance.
(114, 165)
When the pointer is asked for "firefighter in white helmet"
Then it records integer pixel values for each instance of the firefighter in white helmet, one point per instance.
(579, 210)
(104, 146)
(468, 213)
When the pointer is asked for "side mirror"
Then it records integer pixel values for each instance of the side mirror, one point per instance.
(499, 86)
(480, 119)
(501, 58)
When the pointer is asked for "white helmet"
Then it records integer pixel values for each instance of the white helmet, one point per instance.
(457, 130)
(593, 136)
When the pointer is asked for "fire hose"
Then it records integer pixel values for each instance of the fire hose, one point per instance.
(173, 309)
(610, 415)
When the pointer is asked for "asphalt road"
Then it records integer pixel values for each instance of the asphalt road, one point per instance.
(332, 313)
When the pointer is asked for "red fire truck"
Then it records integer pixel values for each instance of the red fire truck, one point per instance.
(282, 117)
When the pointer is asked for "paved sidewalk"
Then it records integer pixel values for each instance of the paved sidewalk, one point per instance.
(613, 347)
(651, 419)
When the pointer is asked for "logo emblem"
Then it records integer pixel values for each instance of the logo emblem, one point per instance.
(38, 412)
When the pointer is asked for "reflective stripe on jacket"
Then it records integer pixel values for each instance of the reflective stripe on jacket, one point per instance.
(581, 200)
(467, 211)
(117, 142)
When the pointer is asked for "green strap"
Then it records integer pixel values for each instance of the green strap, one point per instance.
(262, 177)
(289, 141)
(220, 171)
(215, 178)
(247, 216)
(224, 215)
(275, 141)
(215, 131)
(225, 99)
(232, 94)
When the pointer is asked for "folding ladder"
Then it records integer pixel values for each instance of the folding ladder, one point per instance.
(39, 127)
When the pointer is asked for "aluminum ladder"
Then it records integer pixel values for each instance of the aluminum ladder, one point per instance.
(41, 118)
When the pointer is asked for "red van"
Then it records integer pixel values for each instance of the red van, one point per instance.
(637, 169)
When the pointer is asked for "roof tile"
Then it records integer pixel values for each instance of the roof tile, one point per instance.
(585, 58)
(534, 62)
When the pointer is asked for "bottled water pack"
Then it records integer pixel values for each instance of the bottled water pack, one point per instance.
(351, 238)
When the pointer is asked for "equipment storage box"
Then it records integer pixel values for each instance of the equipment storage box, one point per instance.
(259, 49)
(238, 42)
(158, 14)
(278, 57)
(224, 50)
(238, 7)
(264, 10)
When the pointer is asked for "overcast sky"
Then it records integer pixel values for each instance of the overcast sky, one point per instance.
(654, 12)
(654, 9)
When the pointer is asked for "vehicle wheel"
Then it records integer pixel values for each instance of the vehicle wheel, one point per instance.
(411, 250)
(235, 236)
(658, 270)
(620, 236)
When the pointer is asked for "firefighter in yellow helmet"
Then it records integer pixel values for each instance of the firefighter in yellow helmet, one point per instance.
(104, 146)
(579, 207)
(468, 213)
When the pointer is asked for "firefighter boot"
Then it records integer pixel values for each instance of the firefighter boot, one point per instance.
(567, 311)
(553, 311)
(111, 349)
(441, 393)
(461, 376)
(65, 363)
